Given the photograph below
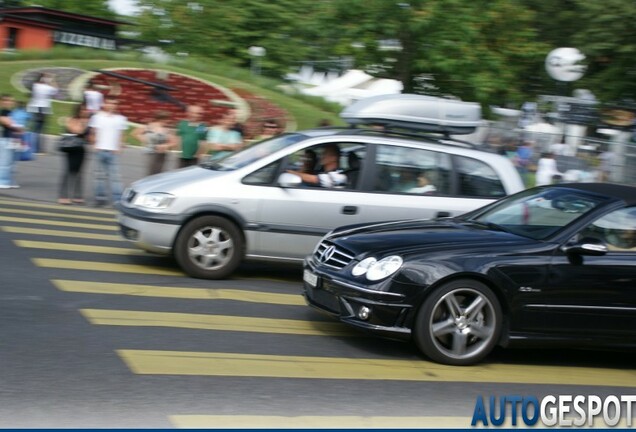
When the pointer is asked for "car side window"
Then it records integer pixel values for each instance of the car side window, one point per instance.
(616, 229)
(263, 176)
(478, 179)
(350, 162)
(412, 171)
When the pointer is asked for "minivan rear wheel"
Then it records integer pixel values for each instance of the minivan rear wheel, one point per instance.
(209, 247)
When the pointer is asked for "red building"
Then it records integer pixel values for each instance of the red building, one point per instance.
(42, 28)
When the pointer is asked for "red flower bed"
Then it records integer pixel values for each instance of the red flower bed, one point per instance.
(138, 101)
(261, 109)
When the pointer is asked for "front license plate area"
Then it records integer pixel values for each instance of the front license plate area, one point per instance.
(310, 278)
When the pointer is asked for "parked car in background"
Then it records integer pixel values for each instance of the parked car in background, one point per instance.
(398, 162)
(552, 264)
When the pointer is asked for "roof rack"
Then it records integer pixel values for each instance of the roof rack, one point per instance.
(415, 113)
(408, 133)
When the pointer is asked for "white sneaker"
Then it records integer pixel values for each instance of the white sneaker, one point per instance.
(5, 187)
(15, 186)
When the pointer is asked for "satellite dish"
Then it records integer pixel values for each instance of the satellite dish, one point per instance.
(565, 64)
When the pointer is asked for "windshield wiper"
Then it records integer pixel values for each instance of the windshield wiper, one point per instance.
(490, 225)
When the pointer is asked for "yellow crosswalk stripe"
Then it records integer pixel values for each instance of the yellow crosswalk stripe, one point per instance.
(315, 422)
(277, 366)
(74, 209)
(178, 292)
(78, 248)
(112, 227)
(104, 267)
(55, 233)
(216, 322)
(57, 214)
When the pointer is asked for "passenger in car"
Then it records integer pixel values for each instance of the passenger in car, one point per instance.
(330, 174)
(424, 186)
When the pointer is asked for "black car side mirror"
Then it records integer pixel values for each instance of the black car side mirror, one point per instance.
(587, 246)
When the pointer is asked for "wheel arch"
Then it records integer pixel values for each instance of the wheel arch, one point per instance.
(213, 210)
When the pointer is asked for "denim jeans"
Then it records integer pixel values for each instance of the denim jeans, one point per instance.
(7, 162)
(107, 169)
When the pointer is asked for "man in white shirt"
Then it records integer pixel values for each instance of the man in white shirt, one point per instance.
(93, 98)
(330, 176)
(107, 131)
(42, 92)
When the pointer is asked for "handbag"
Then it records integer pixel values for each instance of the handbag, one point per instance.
(68, 142)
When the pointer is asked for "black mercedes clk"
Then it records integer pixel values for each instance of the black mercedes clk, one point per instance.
(552, 264)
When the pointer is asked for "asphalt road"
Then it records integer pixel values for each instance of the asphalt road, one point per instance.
(94, 333)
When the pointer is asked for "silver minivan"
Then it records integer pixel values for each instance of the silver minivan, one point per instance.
(249, 206)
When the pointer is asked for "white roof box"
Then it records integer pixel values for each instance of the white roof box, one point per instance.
(411, 111)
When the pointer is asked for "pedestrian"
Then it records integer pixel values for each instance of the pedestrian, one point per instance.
(20, 116)
(93, 98)
(158, 140)
(8, 144)
(107, 133)
(270, 129)
(547, 171)
(42, 92)
(191, 132)
(222, 139)
(78, 131)
(607, 164)
(21, 119)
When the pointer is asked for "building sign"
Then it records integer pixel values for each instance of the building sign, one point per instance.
(84, 40)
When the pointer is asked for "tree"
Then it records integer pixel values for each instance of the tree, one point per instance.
(220, 29)
(97, 8)
(477, 50)
(609, 42)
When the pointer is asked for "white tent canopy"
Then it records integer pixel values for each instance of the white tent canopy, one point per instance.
(354, 85)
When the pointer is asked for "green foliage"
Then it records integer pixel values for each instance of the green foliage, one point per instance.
(487, 51)
(608, 40)
(490, 51)
(98, 8)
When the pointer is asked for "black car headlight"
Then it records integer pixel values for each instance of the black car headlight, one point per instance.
(376, 270)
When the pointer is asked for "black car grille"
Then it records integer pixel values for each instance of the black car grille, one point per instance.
(330, 255)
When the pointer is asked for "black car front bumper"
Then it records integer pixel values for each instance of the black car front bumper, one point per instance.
(387, 311)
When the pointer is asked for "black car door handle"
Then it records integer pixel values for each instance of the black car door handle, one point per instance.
(349, 210)
(442, 214)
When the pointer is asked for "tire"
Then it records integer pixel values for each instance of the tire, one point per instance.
(209, 247)
(447, 332)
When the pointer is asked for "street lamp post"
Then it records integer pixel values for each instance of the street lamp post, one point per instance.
(256, 52)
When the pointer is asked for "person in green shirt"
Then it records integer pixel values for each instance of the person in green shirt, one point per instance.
(190, 132)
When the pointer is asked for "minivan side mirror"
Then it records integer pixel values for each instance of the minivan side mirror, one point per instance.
(586, 246)
(288, 180)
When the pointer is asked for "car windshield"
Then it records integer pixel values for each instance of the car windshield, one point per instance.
(536, 213)
(257, 151)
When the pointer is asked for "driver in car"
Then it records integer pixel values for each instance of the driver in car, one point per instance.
(330, 175)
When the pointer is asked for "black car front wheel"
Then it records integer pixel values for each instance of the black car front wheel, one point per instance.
(209, 247)
(459, 323)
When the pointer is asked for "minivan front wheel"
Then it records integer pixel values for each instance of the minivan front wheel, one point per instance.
(209, 247)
